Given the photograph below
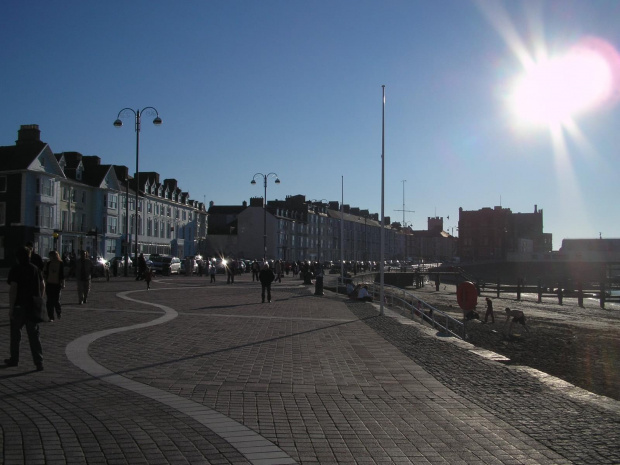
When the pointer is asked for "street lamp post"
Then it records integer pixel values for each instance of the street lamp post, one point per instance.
(277, 181)
(118, 123)
(320, 202)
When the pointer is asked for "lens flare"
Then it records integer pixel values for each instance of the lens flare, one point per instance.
(553, 91)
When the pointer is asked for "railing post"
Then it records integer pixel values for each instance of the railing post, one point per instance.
(499, 285)
(580, 294)
(602, 296)
(539, 292)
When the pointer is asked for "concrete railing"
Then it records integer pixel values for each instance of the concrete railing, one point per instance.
(398, 297)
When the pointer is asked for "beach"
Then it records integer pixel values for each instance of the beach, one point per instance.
(578, 345)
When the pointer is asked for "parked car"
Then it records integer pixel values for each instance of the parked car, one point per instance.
(118, 263)
(165, 264)
(101, 267)
(195, 265)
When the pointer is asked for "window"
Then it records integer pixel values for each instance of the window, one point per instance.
(168, 230)
(2, 183)
(45, 186)
(184, 215)
(44, 216)
(168, 210)
(149, 207)
(149, 227)
(156, 228)
(113, 201)
(83, 196)
(161, 229)
(110, 246)
(112, 225)
(2, 213)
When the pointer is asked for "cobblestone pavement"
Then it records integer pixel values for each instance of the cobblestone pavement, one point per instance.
(191, 372)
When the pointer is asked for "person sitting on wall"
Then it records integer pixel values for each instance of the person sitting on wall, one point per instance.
(350, 289)
(363, 294)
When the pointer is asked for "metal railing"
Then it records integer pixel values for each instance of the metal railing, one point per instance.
(395, 296)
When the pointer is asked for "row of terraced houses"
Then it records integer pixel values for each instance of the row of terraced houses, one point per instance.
(70, 202)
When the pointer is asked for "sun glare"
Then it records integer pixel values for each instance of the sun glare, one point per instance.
(553, 91)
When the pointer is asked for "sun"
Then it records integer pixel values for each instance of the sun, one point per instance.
(553, 91)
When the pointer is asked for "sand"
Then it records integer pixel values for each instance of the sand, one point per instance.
(578, 345)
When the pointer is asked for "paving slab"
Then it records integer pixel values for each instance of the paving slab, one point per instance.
(193, 372)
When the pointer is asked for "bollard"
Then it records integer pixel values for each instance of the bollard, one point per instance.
(539, 292)
(580, 294)
(318, 285)
(602, 296)
(519, 289)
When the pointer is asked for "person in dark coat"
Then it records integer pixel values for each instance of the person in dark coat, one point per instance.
(489, 312)
(266, 277)
(54, 277)
(141, 267)
(35, 258)
(26, 282)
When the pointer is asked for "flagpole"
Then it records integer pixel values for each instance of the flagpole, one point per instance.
(342, 228)
(382, 262)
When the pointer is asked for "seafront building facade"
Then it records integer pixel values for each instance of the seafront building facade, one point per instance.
(71, 202)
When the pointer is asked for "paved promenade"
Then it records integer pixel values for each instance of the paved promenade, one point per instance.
(192, 372)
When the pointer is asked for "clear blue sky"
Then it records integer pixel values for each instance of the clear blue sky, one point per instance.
(294, 87)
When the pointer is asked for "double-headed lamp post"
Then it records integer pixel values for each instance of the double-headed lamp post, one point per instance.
(118, 123)
(277, 181)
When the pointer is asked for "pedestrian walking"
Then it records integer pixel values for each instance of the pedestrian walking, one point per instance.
(212, 271)
(231, 266)
(141, 267)
(489, 311)
(255, 270)
(54, 277)
(25, 282)
(148, 275)
(35, 258)
(83, 274)
(266, 277)
(279, 271)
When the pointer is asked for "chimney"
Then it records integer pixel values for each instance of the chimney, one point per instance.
(27, 134)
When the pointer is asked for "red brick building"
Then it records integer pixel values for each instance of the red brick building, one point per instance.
(496, 233)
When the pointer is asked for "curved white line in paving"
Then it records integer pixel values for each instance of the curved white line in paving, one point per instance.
(253, 446)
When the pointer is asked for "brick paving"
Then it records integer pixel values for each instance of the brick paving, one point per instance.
(191, 372)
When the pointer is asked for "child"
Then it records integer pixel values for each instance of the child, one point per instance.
(489, 311)
(148, 274)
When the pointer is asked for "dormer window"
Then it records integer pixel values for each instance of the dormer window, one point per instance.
(160, 192)
(78, 172)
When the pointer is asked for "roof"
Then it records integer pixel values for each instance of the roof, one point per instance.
(19, 157)
(226, 209)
